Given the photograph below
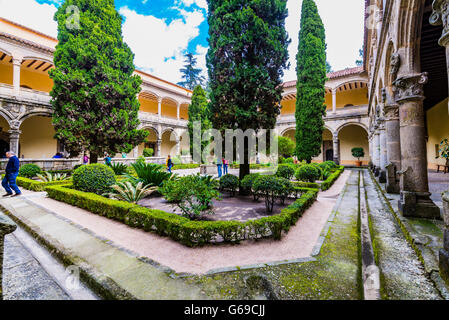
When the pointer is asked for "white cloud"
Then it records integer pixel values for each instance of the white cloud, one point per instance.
(158, 46)
(200, 3)
(31, 14)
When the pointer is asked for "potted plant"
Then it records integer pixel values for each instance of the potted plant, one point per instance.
(358, 153)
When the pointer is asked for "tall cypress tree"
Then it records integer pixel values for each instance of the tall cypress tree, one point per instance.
(311, 73)
(246, 61)
(198, 111)
(190, 74)
(95, 92)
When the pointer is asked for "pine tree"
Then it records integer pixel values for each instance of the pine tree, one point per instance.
(246, 61)
(94, 96)
(311, 72)
(191, 75)
(198, 111)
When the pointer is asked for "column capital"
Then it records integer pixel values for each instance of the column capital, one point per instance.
(440, 16)
(17, 61)
(391, 112)
(14, 133)
(334, 91)
(410, 87)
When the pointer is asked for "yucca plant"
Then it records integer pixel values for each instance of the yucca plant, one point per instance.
(126, 191)
(48, 177)
(119, 168)
(149, 174)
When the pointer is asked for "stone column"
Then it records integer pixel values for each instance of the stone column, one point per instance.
(6, 227)
(336, 146)
(444, 253)
(440, 16)
(382, 151)
(14, 137)
(393, 148)
(178, 146)
(371, 146)
(16, 62)
(334, 101)
(415, 197)
(376, 150)
(158, 147)
(178, 107)
(159, 107)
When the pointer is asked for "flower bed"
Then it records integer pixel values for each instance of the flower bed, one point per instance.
(35, 185)
(188, 232)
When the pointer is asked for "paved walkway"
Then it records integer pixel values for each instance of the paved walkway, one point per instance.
(298, 243)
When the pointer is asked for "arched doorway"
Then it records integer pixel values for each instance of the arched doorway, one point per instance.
(37, 138)
(168, 145)
(328, 146)
(150, 143)
(290, 133)
(353, 136)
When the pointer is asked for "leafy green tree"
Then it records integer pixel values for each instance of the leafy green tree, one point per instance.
(198, 111)
(191, 75)
(311, 72)
(246, 60)
(328, 67)
(359, 62)
(94, 96)
(286, 147)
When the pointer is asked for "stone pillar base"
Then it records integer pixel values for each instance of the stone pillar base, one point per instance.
(444, 265)
(418, 205)
(393, 188)
(376, 171)
(382, 176)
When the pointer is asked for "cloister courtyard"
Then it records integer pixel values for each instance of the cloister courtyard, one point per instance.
(117, 203)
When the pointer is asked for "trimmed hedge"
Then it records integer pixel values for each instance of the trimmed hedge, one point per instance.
(29, 170)
(326, 185)
(183, 230)
(95, 177)
(184, 166)
(34, 185)
(301, 184)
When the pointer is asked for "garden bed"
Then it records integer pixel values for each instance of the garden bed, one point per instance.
(188, 232)
(38, 186)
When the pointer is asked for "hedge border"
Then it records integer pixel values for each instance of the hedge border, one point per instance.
(38, 186)
(187, 232)
(329, 182)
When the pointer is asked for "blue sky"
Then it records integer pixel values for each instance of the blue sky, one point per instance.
(160, 31)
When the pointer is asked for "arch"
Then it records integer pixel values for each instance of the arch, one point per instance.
(8, 53)
(150, 95)
(287, 130)
(173, 132)
(352, 135)
(37, 136)
(34, 114)
(347, 124)
(150, 127)
(38, 58)
(353, 81)
(7, 116)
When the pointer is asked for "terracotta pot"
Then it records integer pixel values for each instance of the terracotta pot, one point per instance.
(358, 163)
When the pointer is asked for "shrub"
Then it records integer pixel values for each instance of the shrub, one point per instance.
(97, 178)
(229, 183)
(192, 194)
(150, 174)
(51, 177)
(125, 191)
(248, 182)
(358, 153)
(308, 173)
(29, 170)
(325, 185)
(286, 190)
(286, 146)
(148, 152)
(76, 166)
(331, 164)
(285, 171)
(269, 187)
(119, 168)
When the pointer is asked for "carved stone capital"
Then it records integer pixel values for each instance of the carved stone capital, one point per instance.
(391, 112)
(440, 16)
(410, 88)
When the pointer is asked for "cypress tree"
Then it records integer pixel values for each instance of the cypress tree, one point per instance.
(95, 92)
(198, 111)
(311, 73)
(191, 76)
(246, 60)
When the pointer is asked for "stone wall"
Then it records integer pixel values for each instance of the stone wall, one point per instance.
(444, 253)
(6, 227)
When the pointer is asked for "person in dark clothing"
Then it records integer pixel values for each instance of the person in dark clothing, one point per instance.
(169, 164)
(12, 171)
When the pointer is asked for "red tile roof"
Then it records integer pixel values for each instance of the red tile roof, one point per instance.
(332, 75)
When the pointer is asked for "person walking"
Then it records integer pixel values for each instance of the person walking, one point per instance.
(225, 166)
(169, 163)
(107, 159)
(219, 165)
(12, 171)
(85, 159)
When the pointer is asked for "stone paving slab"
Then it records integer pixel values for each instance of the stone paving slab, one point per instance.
(123, 275)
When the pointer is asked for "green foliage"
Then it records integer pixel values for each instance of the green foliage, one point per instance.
(192, 194)
(286, 147)
(331, 164)
(269, 187)
(286, 191)
(181, 229)
(150, 174)
(51, 177)
(229, 183)
(94, 96)
(97, 178)
(126, 191)
(308, 173)
(148, 152)
(248, 182)
(29, 170)
(358, 153)
(311, 75)
(198, 112)
(246, 60)
(184, 166)
(325, 185)
(192, 76)
(119, 168)
(38, 186)
(285, 171)
(77, 166)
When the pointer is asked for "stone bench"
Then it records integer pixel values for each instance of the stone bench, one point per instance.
(444, 253)
(6, 227)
